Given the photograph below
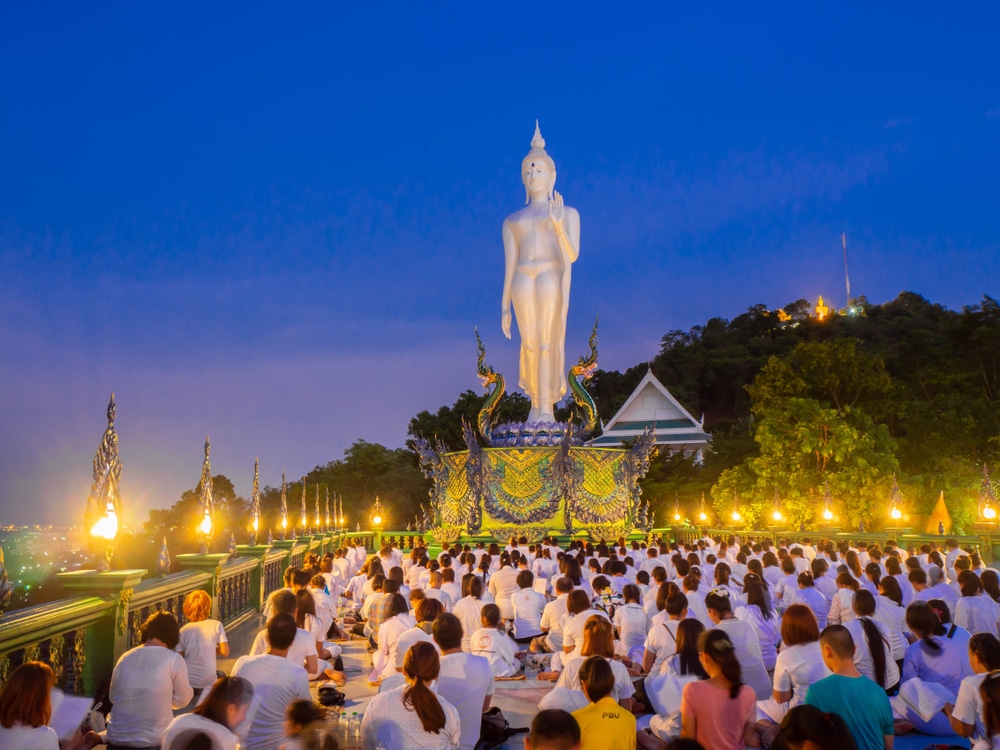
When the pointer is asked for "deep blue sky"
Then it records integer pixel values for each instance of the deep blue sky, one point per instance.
(279, 224)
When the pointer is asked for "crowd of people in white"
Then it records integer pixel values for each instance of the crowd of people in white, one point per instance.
(713, 644)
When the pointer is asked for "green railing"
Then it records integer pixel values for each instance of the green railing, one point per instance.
(83, 635)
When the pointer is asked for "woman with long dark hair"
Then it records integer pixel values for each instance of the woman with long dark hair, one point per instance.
(218, 716)
(760, 616)
(934, 657)
(719, 712)
(872, 643)
(890, 612)
(743, 638)
(469, 608)
(413, 715)
(975, 611)
(807, 726)
(686, 661)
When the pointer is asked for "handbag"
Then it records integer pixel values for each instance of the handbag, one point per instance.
(494, 730)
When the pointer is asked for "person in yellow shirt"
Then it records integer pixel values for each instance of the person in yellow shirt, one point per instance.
(604, 725)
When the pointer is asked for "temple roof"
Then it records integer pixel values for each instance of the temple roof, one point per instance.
(652, 405)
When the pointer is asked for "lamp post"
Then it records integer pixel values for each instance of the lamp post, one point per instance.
(302, 512)
(205, 526)
(284, 507)
(988, 506)
(776, 514)
(104, 502)
(895, 500)
(328, 508)
(677, 509)
(318, 521)
(255, 500)
(827, 503)
(343, 521)
(702, 515)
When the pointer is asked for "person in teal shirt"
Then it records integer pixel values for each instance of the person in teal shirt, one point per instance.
(859, 701)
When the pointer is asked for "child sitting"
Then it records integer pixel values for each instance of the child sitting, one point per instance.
(493, 643)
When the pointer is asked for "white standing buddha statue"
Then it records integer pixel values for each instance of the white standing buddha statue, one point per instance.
(540, 242)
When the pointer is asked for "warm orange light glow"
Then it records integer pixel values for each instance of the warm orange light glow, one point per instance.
(896, 514)
(827, 514)
(776, 515)
(702, 516)
(256, 524)
(284, 522)
(205, 527)
(736, 515)
(989, 512)
(677, 516)
(107, 526)
(377, 520)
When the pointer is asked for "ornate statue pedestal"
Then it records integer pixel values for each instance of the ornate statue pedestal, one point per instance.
(534, 434)
(536, 491)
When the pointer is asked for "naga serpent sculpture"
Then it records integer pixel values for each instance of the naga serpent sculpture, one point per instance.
(584, 369)
(488, 377)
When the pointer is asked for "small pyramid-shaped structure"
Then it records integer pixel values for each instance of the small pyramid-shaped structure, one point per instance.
(652, 405)
(939, 515)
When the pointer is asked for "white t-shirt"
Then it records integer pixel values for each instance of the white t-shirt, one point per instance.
(198, 644)
(185, 725)
(503, 585)
(969, 705)
(147, 683)
(467, 610)
(748, 654)
(662, 643)
(28, 738)
(276, 683)
(389, 723)
(632, 625)
(304, 645)
(528, 605)
(573, 627)
(403, 643)
(570, 677)
(497, 648)
(797, 668)
(863, 655)
(465, 681)
(977, 614)
(441, 596)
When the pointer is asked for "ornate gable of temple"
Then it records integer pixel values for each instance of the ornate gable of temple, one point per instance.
(652, 405)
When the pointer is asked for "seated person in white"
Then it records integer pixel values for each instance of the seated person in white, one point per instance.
(664, 690)
(465, 680)
(661, 641)
(201, 640)
(218, 716)
(578, 612)
(26, 706)
(631, 624)
(491, 642)
(397, 621)
(551, 622)
(599, 640)
(148, 681)
(528, 605)
(975, 611)
(450, 587)
(810, 595)
(469, 608)
(744, 639)
(872, 643)
(413, 716)
(302, 652)
(277, 681)
(434, 590)
(306, 619)
(967, 717)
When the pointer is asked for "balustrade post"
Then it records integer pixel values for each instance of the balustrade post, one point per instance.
(258, 551)
(210, 563)
(104, 644)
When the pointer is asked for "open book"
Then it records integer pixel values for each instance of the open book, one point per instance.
(926, 698)
(68, 713)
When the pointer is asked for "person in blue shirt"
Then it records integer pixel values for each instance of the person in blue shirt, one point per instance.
(860, 702)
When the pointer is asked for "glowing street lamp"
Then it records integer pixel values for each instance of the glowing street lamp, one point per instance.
(702, 515)
(328, 508)
(776, 514)
(377, 514)
(987, 498)
(304, 513)
(104, 502)
(318, 521)
(895, 500)
(205, 526)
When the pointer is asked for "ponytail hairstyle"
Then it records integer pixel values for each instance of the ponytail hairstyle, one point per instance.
(225, 692)
(757, 595)
(422, 665)
(718, 599)
(991, 583)
(722, 573)
(969, 583)
(924, 624)
(889, 588)
(755, 567)
(819, 567)
(986, 647)
(715, 645)
(940, 609)
(874, 573)
(989, 693)
(846, 579)
(806, 579)
(825, 730)
(892, 566)
(688, 633)
(864, 608)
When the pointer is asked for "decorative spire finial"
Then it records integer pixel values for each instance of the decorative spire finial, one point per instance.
(537, 141)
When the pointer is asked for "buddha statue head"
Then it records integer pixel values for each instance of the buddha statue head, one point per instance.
(538, 171)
